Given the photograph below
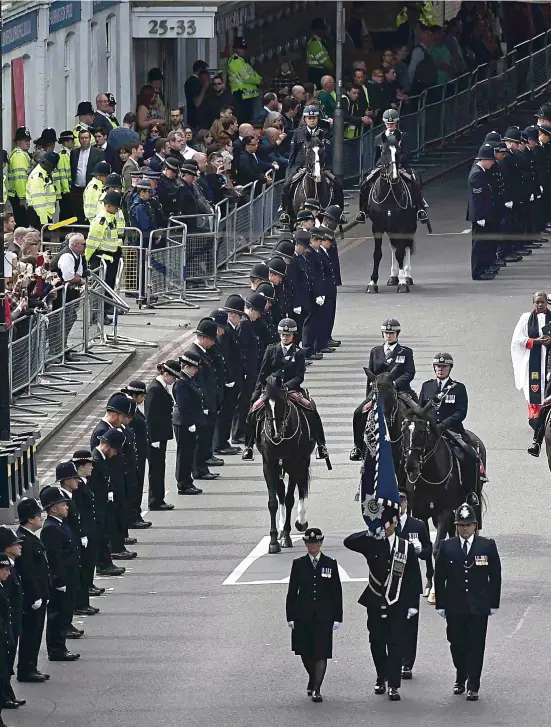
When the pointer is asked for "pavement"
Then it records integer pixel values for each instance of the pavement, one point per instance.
(156, 656)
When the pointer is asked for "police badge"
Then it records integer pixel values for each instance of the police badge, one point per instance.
(372, 508)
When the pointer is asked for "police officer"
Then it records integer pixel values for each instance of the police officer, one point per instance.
(233, 384)
(545, 172)
(6, 638)
(34, 573)
(468, 590)
(132, 503)
(188, 418)
(94, 190)
(63, 174)
(10, 545)
(314, 325)
(305, 220)
(330, 304)
(259, 274)
(278, 278)
(383, 359)
(391, 598)
(299, 277)
(482, 215)
(516, 182)
(19, 164)
(103, 242)
(270, 318)
(314, 609)
(113, 182)
(313, 205)
(167, 189)
(244, 81)
(530, 152)
(40, 191)
(318, 59)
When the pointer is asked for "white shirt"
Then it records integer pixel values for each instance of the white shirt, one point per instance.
(391, 541)
(469, 542)
(204, 350)
(188, 152)
(67, 492)
(82, 163)
(30, 531)
(403, 519)
(68, 265)
(10, 261)
(442, 383)
(390, 347)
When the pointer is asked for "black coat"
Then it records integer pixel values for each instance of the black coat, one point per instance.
(417, 527)
(263, 336)
(249, 344)
(188, 204)
(95, 156)
(299, 282)
(481, 200)
(73, 520)
(207, 379)
(167, 192)
(233, 355)
(14, 592)
(62, 552)
(451, 405)
(404, 146)
(291, 367)
(33, 568)
(6, 634)
(402, 357)
(189, 402)
(250, 169)
(138, 425)
(158, 408)
(116, 465)
(130, 459)
(85, 502)
(99, 484)
(378, 560)
(314, 592)
(330, 290)
(297, 157)
(313, 259)
(468, 585)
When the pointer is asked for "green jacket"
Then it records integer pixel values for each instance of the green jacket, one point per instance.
(242, 77)
(328, 101)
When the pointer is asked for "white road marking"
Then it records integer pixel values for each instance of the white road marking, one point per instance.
(520, 624)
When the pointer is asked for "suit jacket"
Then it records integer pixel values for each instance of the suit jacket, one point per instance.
(401, 356)
(314, 592)
(469, 584)
(378, 560)
(291, 367)
(158, 408)
(33, 568)
(250, 169)
(415, 527)
(451, 405)
(62, 553)
(95, 156)
(189, 402)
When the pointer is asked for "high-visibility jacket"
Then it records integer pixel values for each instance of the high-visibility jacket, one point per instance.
(427, 16)
(41, 194)
(119, 216)
(19, 164)
(317, 55)
(4, 188)
(91, 198)
(82, 127)
(242, 77)
(102, 237)
(62, 174)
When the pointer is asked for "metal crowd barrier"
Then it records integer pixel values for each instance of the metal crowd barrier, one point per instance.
(18, 477)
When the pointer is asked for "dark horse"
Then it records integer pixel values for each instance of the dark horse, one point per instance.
(284, 439)
(314, 182)
(386, 198)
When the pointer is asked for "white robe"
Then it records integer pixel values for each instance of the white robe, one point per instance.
(520, 356)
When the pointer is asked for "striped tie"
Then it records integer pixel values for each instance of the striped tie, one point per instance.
(315, 562)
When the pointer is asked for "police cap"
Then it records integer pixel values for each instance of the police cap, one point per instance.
(234, 304)
(465, 515)
(207, 327)
(134, 387)
(302, 237)
(220, 317)
(486, 152)
(188, 168)
(256, 302)
(442, 359)
(316, 232)
(170, 366)
(102, 169)
(144, 185)
(544, 129)
(113, 438)
(391, 325)
(190, 358)
(311, 110)
(112, 180)
(119, 403)
(172, 163)
(52, 158)
(5, 562)
(327, 233)
(85, 108)
(287, 325)
(531, 133)
(150, 173)
(312, 203)
(48, 136)
(513, 133)
(267, 290)
(81, 455)
(334, 212)
(22, 133)
(110, 99)
(65, 471)
(492, 137)
(8, 537)
(112, 197)
(239, 42)
(544, 112)
(286, 248)
(500, 147)
(277, 265)
(27, 508)
(313, 535)
(50, 496)
(260, 271)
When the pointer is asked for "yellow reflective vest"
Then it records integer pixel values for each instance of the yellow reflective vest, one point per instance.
(41, 194)
(19, 164)
(427, 15)
(91, 198)
(317, 55)
(62, 174)
(82, 127)
(119, 217)
(102, 237)
(242, 77)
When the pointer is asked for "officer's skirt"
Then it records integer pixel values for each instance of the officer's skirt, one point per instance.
(313, 639)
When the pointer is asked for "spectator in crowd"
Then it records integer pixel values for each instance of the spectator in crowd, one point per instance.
(363, 98)
(162, 150)
(270, 147)
(327, 96)
(299, 94)
(310, 92)
(175, 120)
(271, 103)
(388, 59)
(402, 67)
(149, 110)
(217, 97)
(195, 89)
(290, 108)
(156, 132)
(226, 112)
(135, 152)
(377, 93)
(156, 79)
(274, 119)
(409, 33)
(202, 140)
(129, 121)
(422, 71)
(354, 122)
(285, 78)
(100, 135)
(454, 30)
(250, 169)
(441, 55)
(393, 94)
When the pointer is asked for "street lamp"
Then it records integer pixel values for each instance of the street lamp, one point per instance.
(4, 333)
(338, 119)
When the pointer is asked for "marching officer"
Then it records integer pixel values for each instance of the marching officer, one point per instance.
(40, 191)
(383, 359)
(299, 277)
(330, 304)
(34, 573)
(482, 214)
(314, 609)
(314, 324)
(19, 165)
(415, 531)
(189, 415)
(10, 545)
(391, 598)
(94, 190)
(468, 590)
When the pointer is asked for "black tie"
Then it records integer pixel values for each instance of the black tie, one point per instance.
(465, 548)
(440, 386)
(399, 527)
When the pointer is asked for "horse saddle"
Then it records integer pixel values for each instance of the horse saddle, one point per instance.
(297, 397)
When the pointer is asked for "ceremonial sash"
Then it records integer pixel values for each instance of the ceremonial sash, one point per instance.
(535, 381)
(397, 568)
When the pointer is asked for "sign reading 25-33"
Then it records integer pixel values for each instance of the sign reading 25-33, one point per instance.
(167, 22)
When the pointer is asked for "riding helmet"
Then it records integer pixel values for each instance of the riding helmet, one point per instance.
(334, 212)
(442, 359)
(465, 515)
(287, 325)
(391, 116)
(391, 325)
(277, 265)
(311, 110)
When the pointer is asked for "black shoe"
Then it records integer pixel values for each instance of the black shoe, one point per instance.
(125, 555)
(96, 591)
(228, 451)
(500, 263)
(315, 357)
(87, 611)
(238, 440)
(328, 350)
(355, 454)
(316, 697)
(309, 689)
(215, 462)
(308, 362)
(248, 454)
(459, 688)
(46, 676)
(393, 694)
(284, 218)
(162, 506)
(513, 258)
(73, 635)
(422, 217)
(534, 449)
(10, 704)
(407, 672)
(206, 476)
(525, 250)
(111, 570)
(33, 678)
(472, 696)
(380, 686)
(333, 343)
(484, 276)
(130, 541)
(190, 491)
(361, 216)
(63, 656)
(140, 525)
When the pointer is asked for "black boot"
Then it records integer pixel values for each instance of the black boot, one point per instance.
(539, 433)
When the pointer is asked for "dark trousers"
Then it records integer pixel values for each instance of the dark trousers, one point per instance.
(20, 213)
(186, 447)
(245, 107)
(326, 329)
(59, 615)
(411, 629)
(358, 424)
(300, 320)
(31, 637)
(116, 521)
(88, 560)
(156, 473)
(222, 432)
(483, 249)
(243, 406)
(65, 207)
(103, 556)
(203, 447)
(312, 330)
(77, 205)
(467, 637)
(386, 639)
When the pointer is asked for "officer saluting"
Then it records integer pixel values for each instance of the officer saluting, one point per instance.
(482, 214)
(468, 590)
(314, 609)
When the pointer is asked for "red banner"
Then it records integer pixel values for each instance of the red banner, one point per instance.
(18, 92)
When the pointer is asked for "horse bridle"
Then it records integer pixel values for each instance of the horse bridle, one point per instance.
(423, 459)
(288, 407)
(394, 411)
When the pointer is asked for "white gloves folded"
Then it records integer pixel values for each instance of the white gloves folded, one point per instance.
(291, 624)
(481, 223)
(320, 300)
(36, 605)
(412, 612)
(232, 383)
(441, 612)
(84, 541)
(110, 496)
(63, 589)
(531, 198)
(298, 310)
(192, 429)
(509, 205)
(336, 625)
(155, 445)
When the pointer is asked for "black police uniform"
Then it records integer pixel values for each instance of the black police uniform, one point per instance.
(299, 279)
(84, 498)
(131, 513)
(451, 403)
(534, 194)
(233, 373)
(158, 408)
(7, 644)
(297, 156)
(138, 427)
(403, 145)
(467, 588)
(190, 402)
(330, 304)
(14, 594)
(100, 485)
(290, 365)
(497, 183)
(222, 378)
(206, 379)
(73, 522)
(386, 622)
(167, 191)
(481, 207)
(34, 573)
(314, 324)
(116, 516)
(249, 345)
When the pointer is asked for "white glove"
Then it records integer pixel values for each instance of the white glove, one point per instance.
(192, 429)
(492, 611)
(110, 496)
(541, 189)
(417, 545)
(481, 223)
(412, 612)
(336, 625)
(63, 589)
(291, 624)
(84, 541)
(155, 445)
(320, 300)
(509, 205)
(531, 198)
(232, 383)
(441, 612)
(36, 605)
(298, 310)
(205, 412)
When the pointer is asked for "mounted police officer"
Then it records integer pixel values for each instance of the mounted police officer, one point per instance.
(468, 590)
(384, 359)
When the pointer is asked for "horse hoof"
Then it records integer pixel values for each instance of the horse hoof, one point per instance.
(274, 548)
(409, 281)
(372, 288)
(393, 280)
(301, 527)
(403, 288)
(286, 541)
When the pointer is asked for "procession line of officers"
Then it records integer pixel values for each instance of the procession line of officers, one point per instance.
(467, 587)
(510, 196)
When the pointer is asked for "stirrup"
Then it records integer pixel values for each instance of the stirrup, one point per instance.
(248, 454)
(361, 216)
(284, 218)
(422, 216)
